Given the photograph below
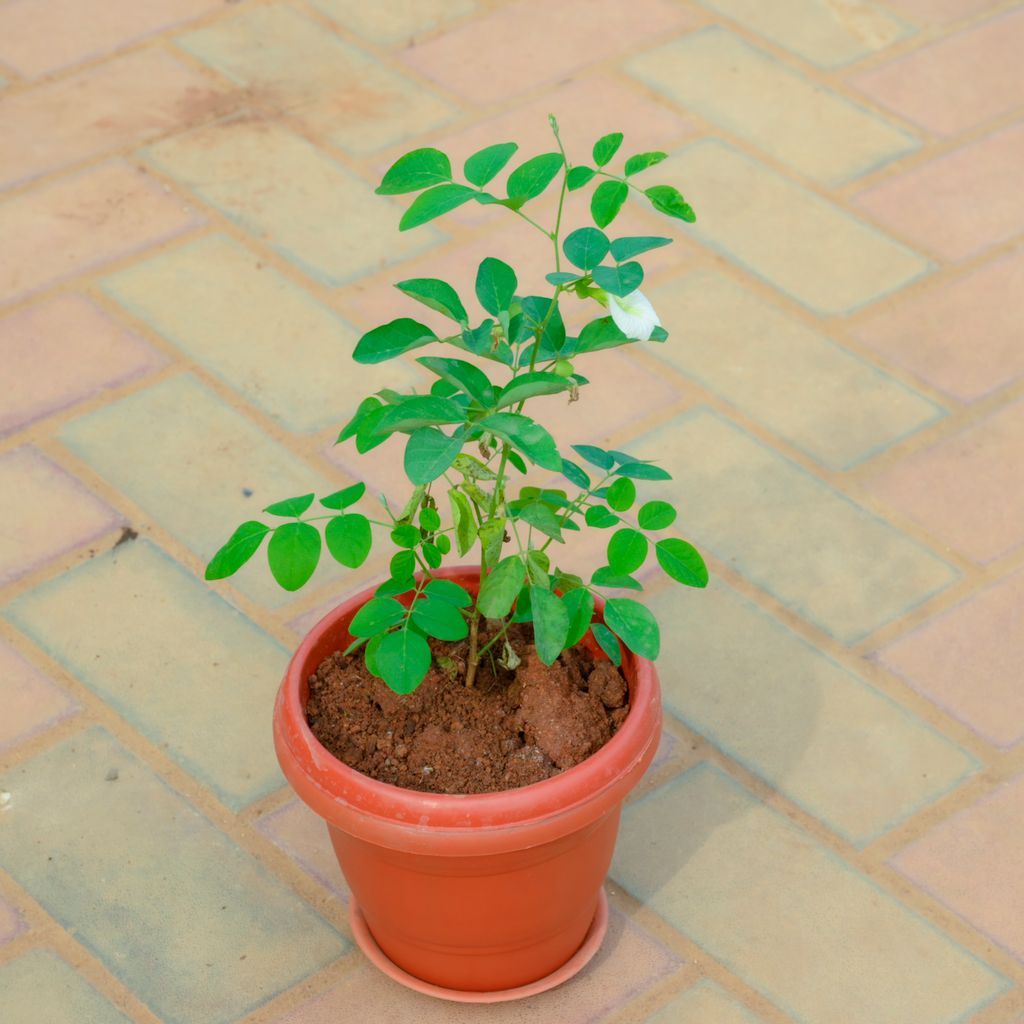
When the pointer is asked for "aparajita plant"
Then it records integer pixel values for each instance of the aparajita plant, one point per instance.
(469, 434)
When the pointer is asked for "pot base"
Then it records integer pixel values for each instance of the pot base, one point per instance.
(591, 944)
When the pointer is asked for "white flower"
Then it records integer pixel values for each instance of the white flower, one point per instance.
(633, 315)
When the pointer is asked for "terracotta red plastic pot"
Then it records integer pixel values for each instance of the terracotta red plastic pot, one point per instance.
(469, 894)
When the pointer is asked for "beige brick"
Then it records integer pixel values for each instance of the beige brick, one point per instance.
(829, 33)
(281, 188)
(786, 915)
(797, 718)
(819, 133)
(799, 242)
(799, 383)
(243, 320)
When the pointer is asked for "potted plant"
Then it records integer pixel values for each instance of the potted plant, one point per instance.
(485, 721)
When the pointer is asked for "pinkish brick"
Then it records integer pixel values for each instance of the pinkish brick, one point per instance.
(974, 864)
(63, 351)
(83, 222)
(959, 203)
(961, 336)
(31, 703)
(47, 513)
(124, 102)
(970, 661)
(968, 489)
(38, 36)
(958, 82)
(562, 37)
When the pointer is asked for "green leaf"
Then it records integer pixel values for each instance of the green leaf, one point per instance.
(403, 660)
(419, 169)
(366, 406)
(500, 588)
(627, 551)
(293, 553)
(290, 506)
(579, 603)
(635, 624)
(643, 471)
(531, 178)
(585, 247)
(550, 624)
(483, 165)
(345, 497)
(606, 147)
(367, 437)
(606, 576)
(595, 456)
(656, 515)
(439, 618)
(640, 162)
(633, 245)
(523, 611)
(609, 642)
(492, 537)
(406, 535)
(531, 385)
(463, 375)
(600, 518)
(529, 437)
(396, 585)
(446, 590)
(606, 201)
(537, 566)
(495, 285)
(437, 295)
(579, 176)
(402, 565)
(473, 469)
(535, 313)
(443, 542)
(621, 495)
(574, 474)
(562, 277)
(540, 517)
(666, 199)
(420, 411)
(240, 547)
(682, 561)
(462, 518)
(619, 280)
(600, 334)
(480, 341)
(433, 203)
(429, 452)
(517, 461)
(376, 616)
(390, 340)
(430, 520)
(349, 539)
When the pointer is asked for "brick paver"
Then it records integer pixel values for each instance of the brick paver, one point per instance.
(831, 832)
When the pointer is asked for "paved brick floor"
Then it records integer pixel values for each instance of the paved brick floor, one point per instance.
(190, 248)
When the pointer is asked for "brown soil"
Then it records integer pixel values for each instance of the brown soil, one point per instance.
(511, 729)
